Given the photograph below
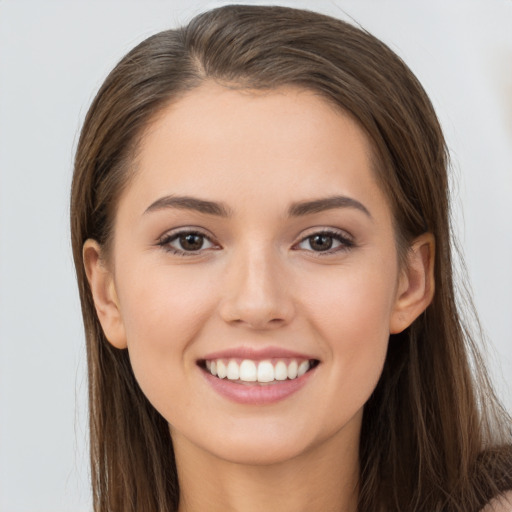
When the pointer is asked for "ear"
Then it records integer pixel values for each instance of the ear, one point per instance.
(416, 284)
(101, 282)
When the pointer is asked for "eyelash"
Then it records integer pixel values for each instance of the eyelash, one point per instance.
(168, 238)
(345, 242)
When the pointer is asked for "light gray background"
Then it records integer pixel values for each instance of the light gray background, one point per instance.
(53, 57)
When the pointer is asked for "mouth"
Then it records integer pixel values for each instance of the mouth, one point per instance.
(258, 372)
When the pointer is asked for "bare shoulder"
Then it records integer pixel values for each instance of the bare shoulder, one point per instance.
(502, 503)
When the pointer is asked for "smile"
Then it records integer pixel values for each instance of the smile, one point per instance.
(263, 371)
(260, 376)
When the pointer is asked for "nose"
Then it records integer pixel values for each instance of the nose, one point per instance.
(255, 292)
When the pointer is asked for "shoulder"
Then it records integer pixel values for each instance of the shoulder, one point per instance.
(502, 503)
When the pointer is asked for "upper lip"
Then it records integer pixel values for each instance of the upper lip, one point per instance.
(257, 354)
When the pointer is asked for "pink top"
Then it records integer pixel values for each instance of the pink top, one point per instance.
(501, 504)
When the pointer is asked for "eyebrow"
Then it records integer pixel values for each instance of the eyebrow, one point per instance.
(328, 203)
(189, 203)
(297, 209)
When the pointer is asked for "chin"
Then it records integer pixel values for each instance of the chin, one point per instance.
(259, 454)
(251, 442)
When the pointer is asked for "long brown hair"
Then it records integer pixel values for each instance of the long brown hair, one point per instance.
(434, 437)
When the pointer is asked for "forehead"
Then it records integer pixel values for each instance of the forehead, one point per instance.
(245, 145)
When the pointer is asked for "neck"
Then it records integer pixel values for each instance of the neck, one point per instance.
(325, 478)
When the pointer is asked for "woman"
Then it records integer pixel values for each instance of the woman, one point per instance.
(261, 236)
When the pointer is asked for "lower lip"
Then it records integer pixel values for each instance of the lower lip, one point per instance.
(257, 394)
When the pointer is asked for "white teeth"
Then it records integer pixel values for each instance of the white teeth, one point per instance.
(254, 371)
(233, 371)
(303, 368)
(281, 371)
(292, 370)
(248, 371)
(221, 369)
(265, 371)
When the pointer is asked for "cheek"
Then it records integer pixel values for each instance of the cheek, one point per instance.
(351, 302)
(351, 314)
(162, 304)
(163, 311)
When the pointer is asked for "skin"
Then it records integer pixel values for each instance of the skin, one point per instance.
(258, 282)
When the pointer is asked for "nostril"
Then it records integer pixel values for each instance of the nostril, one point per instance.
(255, 298)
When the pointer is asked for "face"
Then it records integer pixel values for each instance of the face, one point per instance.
(254, 275)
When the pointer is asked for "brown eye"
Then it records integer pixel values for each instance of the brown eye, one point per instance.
(191, 241)
(320, 242)
(186, 242)
(326, 241)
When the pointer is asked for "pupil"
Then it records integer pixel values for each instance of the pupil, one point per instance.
(321, 242)
(191, 242)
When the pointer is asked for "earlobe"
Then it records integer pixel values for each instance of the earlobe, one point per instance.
(416, 287)
(106, 302)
